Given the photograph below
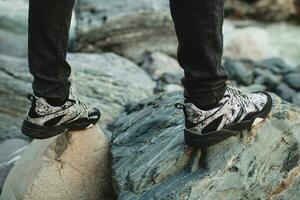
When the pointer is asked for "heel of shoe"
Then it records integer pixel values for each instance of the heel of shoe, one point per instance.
(204, 141)
(40, 132)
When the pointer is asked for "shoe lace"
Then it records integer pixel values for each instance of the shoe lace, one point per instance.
(241, 96)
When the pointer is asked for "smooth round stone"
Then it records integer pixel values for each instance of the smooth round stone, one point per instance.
(285, 92)
(266, 77)
(239, 71)
(293, 80)
(275, 65)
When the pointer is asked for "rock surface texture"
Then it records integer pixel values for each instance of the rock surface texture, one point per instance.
(150, 160)
(109, 82)
(70, 167)
(130, 28)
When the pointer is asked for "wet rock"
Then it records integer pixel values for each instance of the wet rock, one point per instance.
(293, 80)
(130, 28)
(151, 161)
(71, 167)
(239, 71)
(10, 151)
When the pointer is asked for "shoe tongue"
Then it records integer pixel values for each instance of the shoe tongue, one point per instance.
(72, 97)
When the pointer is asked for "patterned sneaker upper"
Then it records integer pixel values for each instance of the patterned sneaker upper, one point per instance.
(235, 107)
(43, 114)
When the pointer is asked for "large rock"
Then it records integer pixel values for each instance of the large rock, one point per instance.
(130, 28)
(70, 167)
(270, 10)
(15, 84)
(108, 81)
(151, 161)
(10, 151)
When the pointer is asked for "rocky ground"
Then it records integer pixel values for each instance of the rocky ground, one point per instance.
(124, 62)
(150, 160)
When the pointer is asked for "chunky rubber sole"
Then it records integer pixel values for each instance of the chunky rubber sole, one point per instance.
(209, 139)
(41, 132)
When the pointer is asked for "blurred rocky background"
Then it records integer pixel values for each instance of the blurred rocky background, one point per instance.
(123, 54)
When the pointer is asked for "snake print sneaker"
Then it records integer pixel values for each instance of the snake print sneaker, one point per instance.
(45, 121)
(237, 111)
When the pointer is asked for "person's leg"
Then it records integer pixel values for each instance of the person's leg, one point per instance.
(214, 110)
(54, 110)
(198, 25)
(49, 22)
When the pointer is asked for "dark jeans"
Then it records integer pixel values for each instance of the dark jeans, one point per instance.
(198, 25)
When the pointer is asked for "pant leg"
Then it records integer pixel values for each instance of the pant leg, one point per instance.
(198, 25)
(49, 23)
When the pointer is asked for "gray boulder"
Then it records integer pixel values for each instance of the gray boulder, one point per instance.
(151, 161)
(108, 81)
(130, 28)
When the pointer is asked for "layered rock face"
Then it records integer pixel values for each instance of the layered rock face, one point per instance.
(71, 167)
(130, 28)
(150, 160)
